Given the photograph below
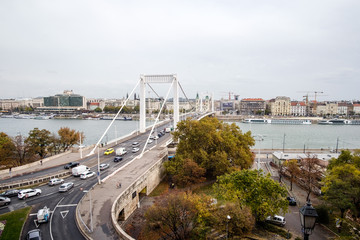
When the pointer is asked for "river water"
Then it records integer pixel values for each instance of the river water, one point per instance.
(275, 136)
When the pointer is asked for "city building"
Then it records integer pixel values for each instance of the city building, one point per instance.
(343, 108)
(68, 102)
(13, 104)
(356, 108)
(280, 106)
(252, 106)
(298, 108)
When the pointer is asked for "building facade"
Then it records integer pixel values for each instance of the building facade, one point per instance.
(298, 108)
(252, 106)
(281, 106)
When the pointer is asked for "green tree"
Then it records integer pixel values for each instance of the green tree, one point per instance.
(39, 141)
(310, 174)
(185, 172)
(240, 220)
(342, 188)
(216, 146)
(69, 137)
(262, 194)
(346, 157)
(180, 216)
(7, 149)
(293, 169)
(98, 110)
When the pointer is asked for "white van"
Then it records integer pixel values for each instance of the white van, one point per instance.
(277, 220)
(77, 171)
(120, 151)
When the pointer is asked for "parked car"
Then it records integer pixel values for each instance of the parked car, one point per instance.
(34, 235)
(135, 149)
(292, 201)
(118, 159)
(66, 186)
(71, 165)
(135, 144)
(10, 193)
(87, 174)
(156, 137)
(4, 201)
(277, 220)
(150, 141)
(109, 151)
(55, 181)
(23, 194)
(104, 166)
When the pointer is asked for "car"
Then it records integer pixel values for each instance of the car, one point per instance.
(156, 137)
(150, 141)
(152, 137)
(292, 201)
(135, 149)
(104, 166)
(55, 181)
(118, 159)
(109, 151)
(66, 186)
(87, 174)
(135, 144)
(4, 201)
(277, 220)
(159, 135)
(34, 235)
(23, 194)
(10, 193)
(71, 165)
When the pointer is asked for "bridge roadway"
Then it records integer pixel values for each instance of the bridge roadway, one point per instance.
(62, 205)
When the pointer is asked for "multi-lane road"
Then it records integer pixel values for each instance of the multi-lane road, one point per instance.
(62, 206)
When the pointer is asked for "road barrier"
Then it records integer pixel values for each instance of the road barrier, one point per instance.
(29, 182)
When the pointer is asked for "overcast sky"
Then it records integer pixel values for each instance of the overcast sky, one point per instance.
(253, 48)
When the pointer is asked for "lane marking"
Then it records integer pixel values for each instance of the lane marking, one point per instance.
(64, 213)
(51, 217)
(67, 205)
(36, 223)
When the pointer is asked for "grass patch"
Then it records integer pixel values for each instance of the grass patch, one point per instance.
(161, 189)
(14, 222)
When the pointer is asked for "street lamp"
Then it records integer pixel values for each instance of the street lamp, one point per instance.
(308, 217)
(227, 226)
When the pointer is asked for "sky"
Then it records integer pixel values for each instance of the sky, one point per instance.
(253, 48)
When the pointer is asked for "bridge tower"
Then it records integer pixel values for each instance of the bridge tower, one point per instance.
(147, 79)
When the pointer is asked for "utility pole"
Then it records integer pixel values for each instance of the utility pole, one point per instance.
(284, 143)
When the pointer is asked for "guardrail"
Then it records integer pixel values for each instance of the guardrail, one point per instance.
(28, 182)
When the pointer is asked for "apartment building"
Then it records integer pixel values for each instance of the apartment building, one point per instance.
(298, 108)
(252, 106)
(281, 106)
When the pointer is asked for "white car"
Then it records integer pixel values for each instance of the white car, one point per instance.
(55, 181)
(23, 194)
(66, 186)
(277, 220)
(136, 149)
(87, 174)
(104, 166)
(150, 141)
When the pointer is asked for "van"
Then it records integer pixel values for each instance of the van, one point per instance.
(120, 151)
(167, 130)
(277, 220)
(77, 171)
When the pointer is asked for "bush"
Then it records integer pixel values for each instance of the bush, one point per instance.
(323, 213)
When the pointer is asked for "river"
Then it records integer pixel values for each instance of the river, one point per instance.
(274, 136)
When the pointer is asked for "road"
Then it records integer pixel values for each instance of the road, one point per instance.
(62, 205)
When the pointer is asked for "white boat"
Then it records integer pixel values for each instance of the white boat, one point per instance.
(279, 121)
(335, 121)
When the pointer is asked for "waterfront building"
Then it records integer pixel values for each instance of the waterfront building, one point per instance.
(281, 106)
(320, 109)
(68, 102)
(331, 108)
(298, 108)
(343, 108)
(356, 108)
(280, 157)
(94, 103)
(12, 104)
(252, 106)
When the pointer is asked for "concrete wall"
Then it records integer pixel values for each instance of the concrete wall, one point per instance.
(128, 202)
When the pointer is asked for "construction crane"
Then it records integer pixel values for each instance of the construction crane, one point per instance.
(229, 93)
(307, 99)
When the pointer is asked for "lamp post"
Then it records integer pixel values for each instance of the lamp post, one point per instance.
(227, 226)
(308, 217)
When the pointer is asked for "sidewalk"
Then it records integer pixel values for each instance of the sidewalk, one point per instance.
(104, 195)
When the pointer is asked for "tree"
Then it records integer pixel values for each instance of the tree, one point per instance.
(342, 188)
(310, 174)
(179, 216)
(39, 141)
(98, 110)
(69, 137)
(7, 149)
(346, 157)
(240, 223)
(293, 169)
(216, 146)
(186, 172)
(22, 151)
(262, 194)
